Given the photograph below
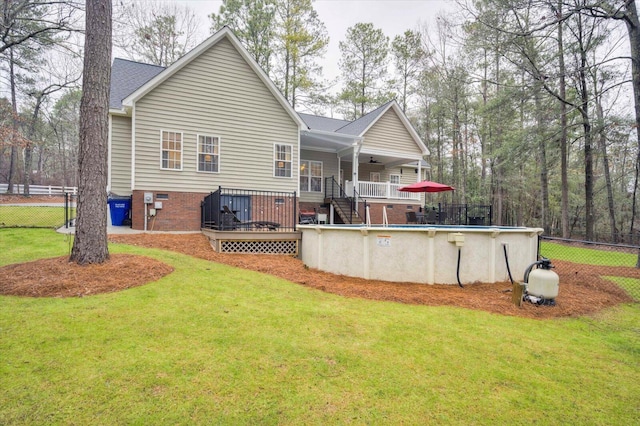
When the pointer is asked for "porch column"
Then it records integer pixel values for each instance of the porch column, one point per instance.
(419, 178)
(355, 170)
(356, 154)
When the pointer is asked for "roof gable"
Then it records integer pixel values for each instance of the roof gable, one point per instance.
(393, 105)
(224, 33)
(358, 128)
(362, 124)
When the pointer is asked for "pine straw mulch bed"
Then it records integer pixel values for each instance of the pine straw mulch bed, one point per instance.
(57, 277)
(582, 291)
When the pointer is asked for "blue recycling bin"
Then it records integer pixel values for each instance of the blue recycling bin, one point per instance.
(119, 208)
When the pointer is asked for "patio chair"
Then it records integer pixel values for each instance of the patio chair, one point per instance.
(411, 217)
(258, 224)
(432, 216)
(307, 217)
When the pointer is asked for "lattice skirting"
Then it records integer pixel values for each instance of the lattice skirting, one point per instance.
(288, 247)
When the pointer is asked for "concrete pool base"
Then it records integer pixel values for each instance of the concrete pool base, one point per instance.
(426, 254)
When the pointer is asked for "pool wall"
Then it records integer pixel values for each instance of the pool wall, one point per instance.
(419, 254)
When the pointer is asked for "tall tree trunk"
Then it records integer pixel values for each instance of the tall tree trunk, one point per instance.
(498, 169)
(544, 171)
(588, 159)
(439, 147)
(90, 244)
(483, 127)
(455, 139)
(586, 126)
(13, 162)
(28, 149)
(633, 28)
(602, 144)
(564, 174)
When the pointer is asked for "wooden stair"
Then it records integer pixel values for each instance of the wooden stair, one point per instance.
(342, 207)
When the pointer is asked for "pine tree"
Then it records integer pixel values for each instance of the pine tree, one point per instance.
(90, 243)
(364, 68)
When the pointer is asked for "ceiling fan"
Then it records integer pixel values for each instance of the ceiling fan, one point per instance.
(372, 161)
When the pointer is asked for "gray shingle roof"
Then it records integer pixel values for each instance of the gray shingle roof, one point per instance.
(357, 127)
(352, 128)
(128, 76)
(325, 124)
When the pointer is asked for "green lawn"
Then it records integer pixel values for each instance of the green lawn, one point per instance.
(212, 344)
(32, 216)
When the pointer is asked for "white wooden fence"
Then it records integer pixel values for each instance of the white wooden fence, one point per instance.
(40, 189)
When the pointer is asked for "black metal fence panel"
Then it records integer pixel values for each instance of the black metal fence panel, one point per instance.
(229, 209)
(460, 214)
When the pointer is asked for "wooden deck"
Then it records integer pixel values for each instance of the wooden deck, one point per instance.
(254, 241)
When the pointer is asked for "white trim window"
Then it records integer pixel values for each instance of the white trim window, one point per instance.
(208, 154)
(170, 150)
(282, 160)
(394, 179)
(310, 176)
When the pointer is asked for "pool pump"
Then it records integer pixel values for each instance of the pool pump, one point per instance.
(541, 284)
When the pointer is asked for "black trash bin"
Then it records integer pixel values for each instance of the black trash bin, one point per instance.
(119, 208)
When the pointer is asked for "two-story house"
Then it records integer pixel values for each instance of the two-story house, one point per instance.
(214, 119)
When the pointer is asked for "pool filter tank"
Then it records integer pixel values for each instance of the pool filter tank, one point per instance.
(541, 283)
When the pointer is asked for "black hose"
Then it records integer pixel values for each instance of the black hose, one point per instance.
(458, 269)
(506, 259)
(528, 270)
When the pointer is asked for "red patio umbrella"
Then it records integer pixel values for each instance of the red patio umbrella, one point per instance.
(426, 186)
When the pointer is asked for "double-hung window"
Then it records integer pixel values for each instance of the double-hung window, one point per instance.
(171, 151)
(310, 176)
(282, 158)
(208, 153)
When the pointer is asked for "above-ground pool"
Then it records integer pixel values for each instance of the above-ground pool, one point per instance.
(426, 254)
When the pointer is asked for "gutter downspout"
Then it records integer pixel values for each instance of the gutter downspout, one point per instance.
(133, 147)
(109, 149)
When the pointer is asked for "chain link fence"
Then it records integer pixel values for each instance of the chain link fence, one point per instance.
(38, 211)
(599, 264)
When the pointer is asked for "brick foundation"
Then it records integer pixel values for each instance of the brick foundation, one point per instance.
(180, 211)
(396, 213)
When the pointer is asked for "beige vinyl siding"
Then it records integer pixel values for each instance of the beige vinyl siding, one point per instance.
(120, 155)
(329, 168)
(215, 94)
(389, 134)
(407, 175)
(365, 170)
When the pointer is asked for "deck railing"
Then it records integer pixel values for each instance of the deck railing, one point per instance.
(229, 209)
(385, 190)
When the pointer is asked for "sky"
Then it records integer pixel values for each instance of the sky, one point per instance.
(394, 17)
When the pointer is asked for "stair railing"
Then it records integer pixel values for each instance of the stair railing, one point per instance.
(333, 190)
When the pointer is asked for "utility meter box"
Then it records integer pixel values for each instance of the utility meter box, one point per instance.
(148, 197)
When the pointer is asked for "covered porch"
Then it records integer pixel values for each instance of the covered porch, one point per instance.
(369, 172)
